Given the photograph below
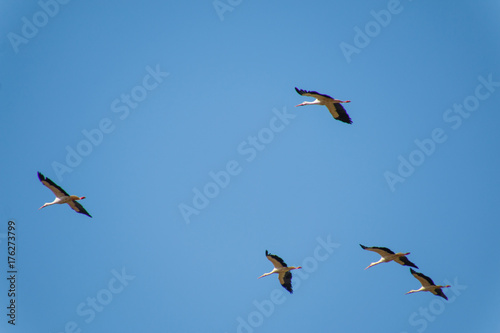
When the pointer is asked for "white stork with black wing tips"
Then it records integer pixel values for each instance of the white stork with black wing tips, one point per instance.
(428, 285)
(388, 255)
(61, 196)
(336, 109)
(283, 271)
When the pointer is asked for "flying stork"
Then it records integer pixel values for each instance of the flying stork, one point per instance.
(283, 271)
(428, 285)
(388, 255)
(336, 109)
(61, 196)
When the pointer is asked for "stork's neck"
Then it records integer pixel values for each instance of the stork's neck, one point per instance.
(316, 102)
(266, 274)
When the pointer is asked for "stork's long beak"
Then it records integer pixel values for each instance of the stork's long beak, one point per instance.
(302, 104)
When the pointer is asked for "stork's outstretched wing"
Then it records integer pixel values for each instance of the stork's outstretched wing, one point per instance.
(338, 112)
(77, 207)
(277, 261)
(56, 189)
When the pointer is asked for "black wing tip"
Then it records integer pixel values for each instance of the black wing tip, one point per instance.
(48, 180)
(407, 262)
(363, 247)
(277, 258)
(345, 119)
(302, 92)
(343, 116)
(413, 271)
(82, 210)
(443, 295)
(288, 282)
(79, 209)
(439, 292)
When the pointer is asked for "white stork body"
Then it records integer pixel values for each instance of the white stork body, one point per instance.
(282, 270)
(428, 285)
(61, 196)
(336, 109)
(387, 256)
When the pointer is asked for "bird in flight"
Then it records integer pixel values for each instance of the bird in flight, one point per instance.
(428, 285)
(282, 270)
(387, 256)
(61, 196)
(336, 109)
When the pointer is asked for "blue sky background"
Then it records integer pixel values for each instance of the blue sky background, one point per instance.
(315, 181)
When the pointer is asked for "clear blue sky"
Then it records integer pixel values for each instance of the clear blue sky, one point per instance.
(142, 106)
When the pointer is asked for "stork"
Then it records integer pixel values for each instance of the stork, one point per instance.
(61, 196)
(283, 271)
(387, 256)
(428, 285)
(336, 109)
